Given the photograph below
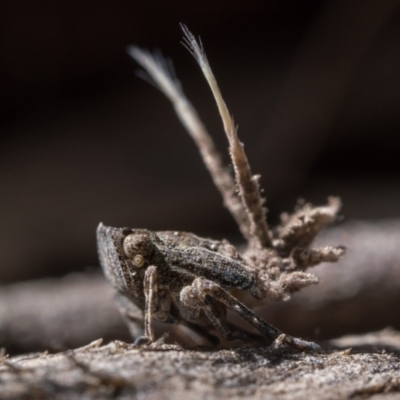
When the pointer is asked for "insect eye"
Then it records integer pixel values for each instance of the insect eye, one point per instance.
(137, 247)
(138, 260)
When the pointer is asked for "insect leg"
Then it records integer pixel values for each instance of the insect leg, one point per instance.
(163, 302)
(193, 302)
(213, 290)
(151, 298)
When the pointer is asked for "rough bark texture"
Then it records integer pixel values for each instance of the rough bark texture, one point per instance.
(170, 372)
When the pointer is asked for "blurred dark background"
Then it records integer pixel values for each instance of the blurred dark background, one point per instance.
(313, 85)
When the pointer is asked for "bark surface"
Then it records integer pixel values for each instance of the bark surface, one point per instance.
(371, 369)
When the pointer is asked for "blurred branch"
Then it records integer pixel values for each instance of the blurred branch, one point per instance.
(51, 314)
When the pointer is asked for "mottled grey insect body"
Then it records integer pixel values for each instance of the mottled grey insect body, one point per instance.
(179, 258)
(176, 255)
